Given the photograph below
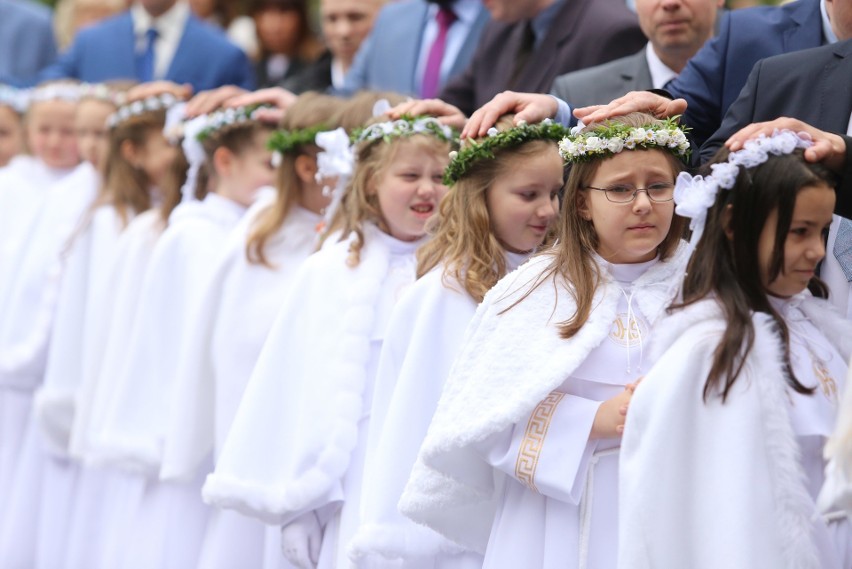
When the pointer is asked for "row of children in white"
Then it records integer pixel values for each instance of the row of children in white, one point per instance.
(210, 334)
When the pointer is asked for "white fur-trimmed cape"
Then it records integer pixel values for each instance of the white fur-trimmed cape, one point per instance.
(293, 436)
(510, 362)
(707, 484)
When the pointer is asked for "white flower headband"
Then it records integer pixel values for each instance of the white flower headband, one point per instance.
(612, 138)
(694, 195)
(16, 99)
(70, 92)
(405, 126)
(136, 108)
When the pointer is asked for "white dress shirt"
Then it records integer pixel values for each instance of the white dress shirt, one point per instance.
(169, 27)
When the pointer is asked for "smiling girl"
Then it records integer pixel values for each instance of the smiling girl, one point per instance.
(520, 462)
(501, 208)
(722, 458)
(294, 455)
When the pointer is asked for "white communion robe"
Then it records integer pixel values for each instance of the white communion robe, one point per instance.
(35, 527)
(104, 497)
(708, 484)
(522, 481)
(423, 338)
(298, 441)
(170, 520)
(28, 293)
(235, 318)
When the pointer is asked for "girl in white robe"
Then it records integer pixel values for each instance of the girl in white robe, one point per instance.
(723, 446)
(170, 520)
(499, 210)
(44, 482)
(24, 184)
(12, 105)
(240, 302)
(294, 454)
(520, 462)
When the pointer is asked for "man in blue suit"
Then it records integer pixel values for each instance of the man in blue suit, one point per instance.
(26, 40)
(395, 56)
(155, 39)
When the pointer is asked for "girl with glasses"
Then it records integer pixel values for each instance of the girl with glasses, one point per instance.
(521, 459)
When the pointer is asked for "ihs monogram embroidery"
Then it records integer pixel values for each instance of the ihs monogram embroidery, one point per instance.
(625, 334)
(822, 373)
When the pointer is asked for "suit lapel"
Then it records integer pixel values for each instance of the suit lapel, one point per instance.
(470, 43)
(805, 29)
(408, 52)
(122, 48)
(545, 56)
(836, 93)
(184, 56)
(639, 77)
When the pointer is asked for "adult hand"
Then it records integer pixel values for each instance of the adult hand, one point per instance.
(529, 107)
(280, 100)
(208, 101)
(828, 148)
(301, 540)
(634, 101)
(156, 88)
(446, 113)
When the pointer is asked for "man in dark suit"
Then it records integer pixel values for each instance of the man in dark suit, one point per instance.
(26, 40)
(530, 42)
(345, 26)
(676, 30)
(155, 39)
(814, 86)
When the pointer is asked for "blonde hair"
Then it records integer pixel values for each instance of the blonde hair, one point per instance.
(573, 257)
(309, 110)
(463, 237)
(360, 203)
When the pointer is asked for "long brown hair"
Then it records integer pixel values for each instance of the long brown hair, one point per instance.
(125, 187)
(309, 110)
(463, 238)
(573, 259)
(726, 268)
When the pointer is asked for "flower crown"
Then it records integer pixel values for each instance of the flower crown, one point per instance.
(70, 92)
(612, 138)
(288, 141)
(694, 195)
(136, 108)
(217, 120)
(16, 99)
(462, 161)
(404, 126)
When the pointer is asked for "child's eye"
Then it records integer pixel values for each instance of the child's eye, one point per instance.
(800, 231)
(410, 176)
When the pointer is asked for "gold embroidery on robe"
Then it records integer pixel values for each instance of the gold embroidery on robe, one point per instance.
(534, 436)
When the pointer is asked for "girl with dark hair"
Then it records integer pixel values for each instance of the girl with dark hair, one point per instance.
(722, 457)
(521, 458)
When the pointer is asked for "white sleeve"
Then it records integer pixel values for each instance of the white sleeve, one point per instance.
(549, 451)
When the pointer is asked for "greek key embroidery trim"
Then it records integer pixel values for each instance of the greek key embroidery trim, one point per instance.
(530, 449)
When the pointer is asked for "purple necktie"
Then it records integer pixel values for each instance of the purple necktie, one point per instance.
(432, 74)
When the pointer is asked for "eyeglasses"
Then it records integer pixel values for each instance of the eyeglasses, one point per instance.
(625, 193)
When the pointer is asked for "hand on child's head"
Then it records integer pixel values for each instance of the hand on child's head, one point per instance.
(529, 107)
(206, 102)
(635, 101)
(446, 113)
(157, 88)
(50, 133)
(828, 148)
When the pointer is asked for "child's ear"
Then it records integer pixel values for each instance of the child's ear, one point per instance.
(223, 161)
(726, 221)
(582, 206)
(306, 169)
(131, 153)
